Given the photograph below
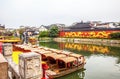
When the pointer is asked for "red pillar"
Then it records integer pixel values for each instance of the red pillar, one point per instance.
(0, 47)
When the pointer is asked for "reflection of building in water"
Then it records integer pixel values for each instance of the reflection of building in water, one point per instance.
(80, 74)
(91, 48)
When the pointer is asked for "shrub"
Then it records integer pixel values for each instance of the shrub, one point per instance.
(43, 34)
(115, 35)
(54, 32)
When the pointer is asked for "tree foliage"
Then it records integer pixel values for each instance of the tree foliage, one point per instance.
(115, 35)
(43, 34)
(53, 31)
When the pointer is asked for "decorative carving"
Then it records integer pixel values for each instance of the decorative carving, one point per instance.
(7, 49)
(30, 66)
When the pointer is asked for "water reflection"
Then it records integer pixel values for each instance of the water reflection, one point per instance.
(91, 48)
(103, 62)
(85, 49)
(80, 74)
(118, 65)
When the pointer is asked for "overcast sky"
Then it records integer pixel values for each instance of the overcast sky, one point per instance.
(14, 13)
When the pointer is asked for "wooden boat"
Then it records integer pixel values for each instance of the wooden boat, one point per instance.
(60, 62)
(65, 72)
(64, 65)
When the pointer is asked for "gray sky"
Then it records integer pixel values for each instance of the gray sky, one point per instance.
(14, 13)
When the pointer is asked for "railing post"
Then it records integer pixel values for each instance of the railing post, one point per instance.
(7, 49)
(30, 66)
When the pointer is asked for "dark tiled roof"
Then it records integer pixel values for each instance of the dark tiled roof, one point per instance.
(95, 29)
(80, 26)
(2, 27)
(47, 27)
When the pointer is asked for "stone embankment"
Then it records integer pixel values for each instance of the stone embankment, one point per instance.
(107, 42)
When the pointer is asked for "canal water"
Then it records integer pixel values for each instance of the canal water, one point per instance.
(103, 62)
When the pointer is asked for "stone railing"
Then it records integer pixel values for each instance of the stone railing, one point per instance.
(3, 67)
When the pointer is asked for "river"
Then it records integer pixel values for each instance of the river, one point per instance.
(103, 62)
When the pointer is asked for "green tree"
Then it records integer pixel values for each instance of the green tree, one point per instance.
(54, 31)
(43, 34)
(115, 35)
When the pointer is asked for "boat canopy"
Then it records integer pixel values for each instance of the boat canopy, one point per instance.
(66, 52)
(43, 51)
(49, 54)
(75, 55)
(56, 50)
(68, 59)
(57, 56)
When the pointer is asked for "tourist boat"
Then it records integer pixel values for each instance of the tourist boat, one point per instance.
(60, 62)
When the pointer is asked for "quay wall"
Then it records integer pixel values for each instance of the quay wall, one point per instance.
(107, 42)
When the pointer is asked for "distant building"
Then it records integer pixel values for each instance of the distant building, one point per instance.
(117, 24)
(44, 28)
(32, 30)
(10, 29)
(105, 25)
(2, 28)
(21, 27)
(112, 25)
(60, 26)
(80, 25)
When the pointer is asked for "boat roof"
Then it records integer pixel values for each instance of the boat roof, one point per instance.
(57, 56)
(44, 52)
(75, 55)
(45, 48)
(49, 54)
(66, 52)
(56, 50)
(68, 59)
